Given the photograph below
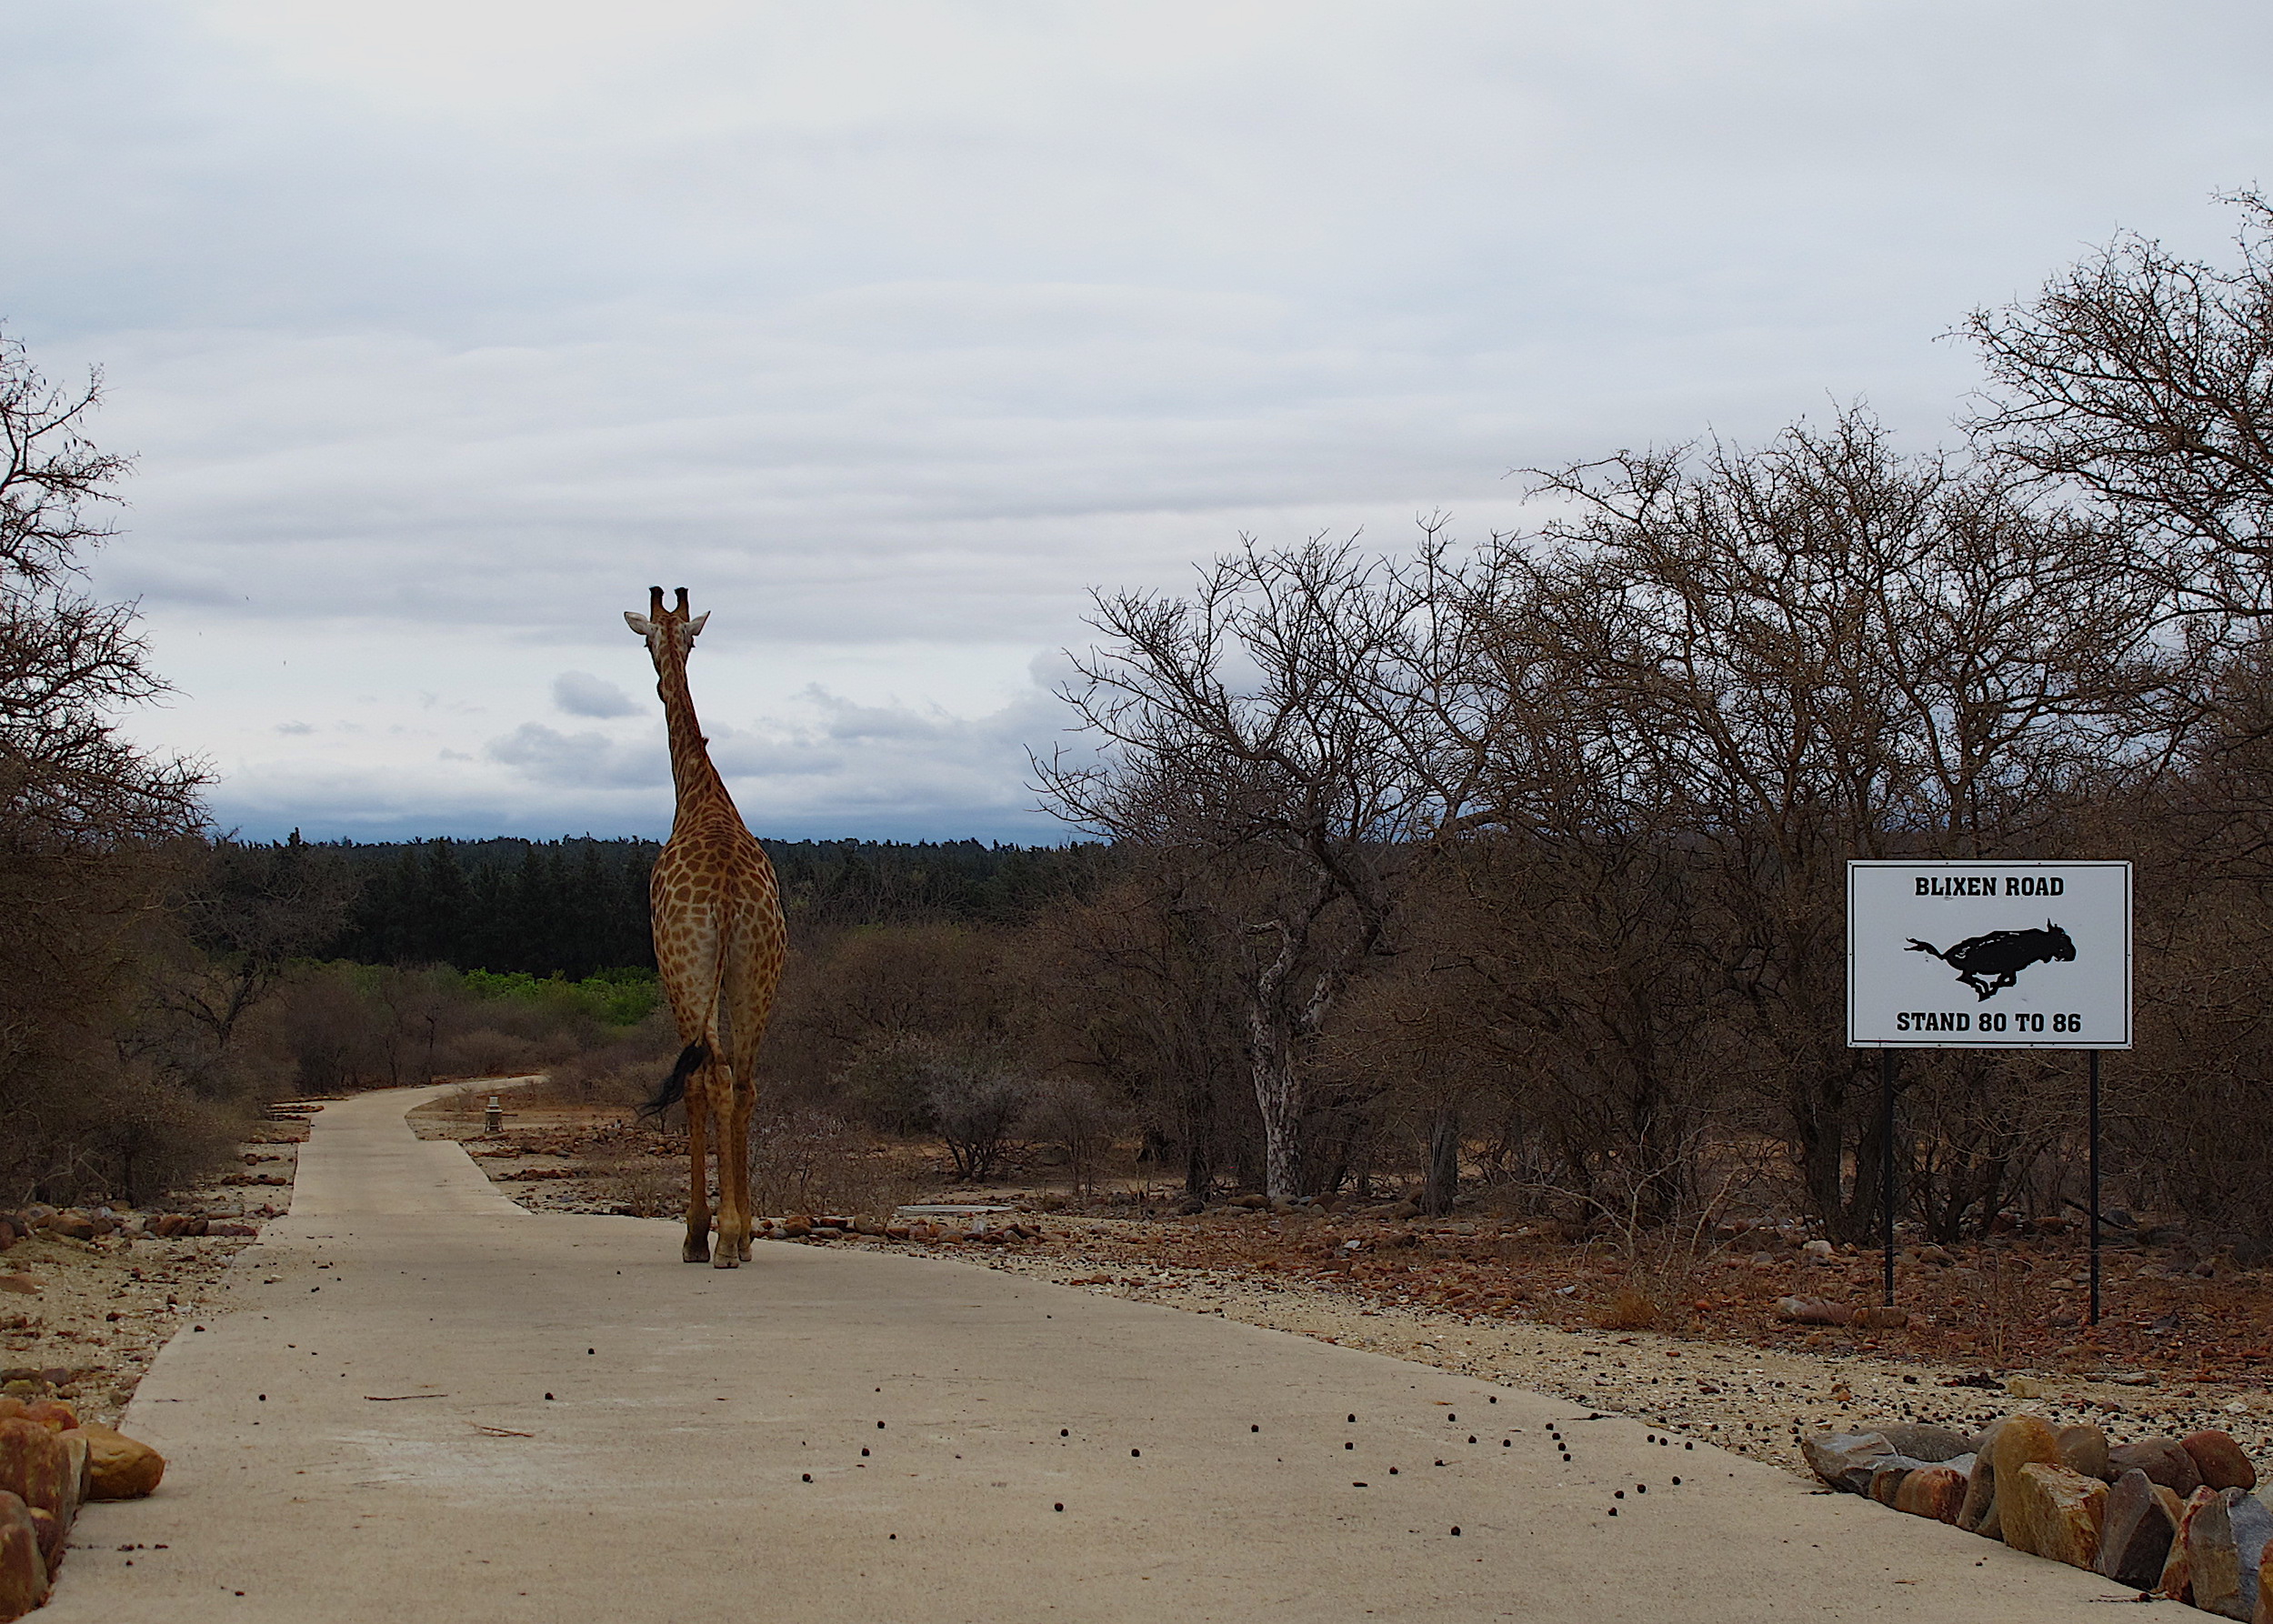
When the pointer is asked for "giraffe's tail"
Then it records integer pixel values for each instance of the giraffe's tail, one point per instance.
(674, 1088)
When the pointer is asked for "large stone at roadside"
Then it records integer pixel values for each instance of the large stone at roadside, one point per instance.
(1845, 1459)
(1935, 1492)
(120, 1468)
(2163, 1460)
(2049, 1510)
(34, 1464)
(2214, 1565)
(2220, 1460)
(2177, 1578)
(1922, 1441)
(1980, 1489)
(2135, 1531)
(23, 1565)
(2084, 1449)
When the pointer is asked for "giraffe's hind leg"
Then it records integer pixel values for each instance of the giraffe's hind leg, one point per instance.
(734, 1169)
(697, 1247)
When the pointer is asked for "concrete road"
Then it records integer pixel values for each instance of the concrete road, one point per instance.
(422, 1403)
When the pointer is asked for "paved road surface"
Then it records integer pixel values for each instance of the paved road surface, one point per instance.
(614, 1435)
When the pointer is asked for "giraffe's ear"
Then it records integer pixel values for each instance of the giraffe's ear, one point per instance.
(694, 627)
(639, 623)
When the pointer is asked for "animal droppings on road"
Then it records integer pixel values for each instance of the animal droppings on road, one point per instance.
(1456, 1530)
(1348, 1446)
(1065, 1432)
(1677, 1482)
(879, 1425)
(1060, 1506)
(805, 1477)
(1361, 1485)
(1133, 1454)
(550, 1398)
(1471, 1437)
(863, 1451)
(1617, 1494)
(1393, 1471)
(1255, 1427)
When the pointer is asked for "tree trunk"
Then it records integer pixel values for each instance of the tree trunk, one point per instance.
(1278, 1097)
(1443, 1180)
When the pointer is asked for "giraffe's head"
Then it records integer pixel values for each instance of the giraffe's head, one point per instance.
(670, 633)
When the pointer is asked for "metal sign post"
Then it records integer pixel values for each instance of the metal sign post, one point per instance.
(1987, 955)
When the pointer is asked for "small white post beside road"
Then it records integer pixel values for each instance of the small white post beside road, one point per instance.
(1986, 954)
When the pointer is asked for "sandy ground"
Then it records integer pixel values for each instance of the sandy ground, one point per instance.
(101, 1309)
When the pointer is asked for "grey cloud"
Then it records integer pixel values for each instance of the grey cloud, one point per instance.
(581, 694)
(890, 335)
(577, 760)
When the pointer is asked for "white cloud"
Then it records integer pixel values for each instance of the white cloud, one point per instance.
(581, 694)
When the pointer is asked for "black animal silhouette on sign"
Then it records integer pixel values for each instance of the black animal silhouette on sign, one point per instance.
(2001, 955)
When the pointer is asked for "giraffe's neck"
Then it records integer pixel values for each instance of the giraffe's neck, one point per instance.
(695, 781)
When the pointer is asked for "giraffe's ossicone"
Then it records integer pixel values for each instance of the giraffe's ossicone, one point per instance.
(719, 941)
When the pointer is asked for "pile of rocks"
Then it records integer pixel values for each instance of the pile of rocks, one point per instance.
(51, 1463)
(2171, 1516)
(808, 1226)
(75, 1223)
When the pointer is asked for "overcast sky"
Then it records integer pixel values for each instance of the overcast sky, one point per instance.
(444, 329)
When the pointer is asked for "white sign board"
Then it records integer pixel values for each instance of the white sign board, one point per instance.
(1988, 954)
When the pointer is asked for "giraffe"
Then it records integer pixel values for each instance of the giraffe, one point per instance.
(720, 940)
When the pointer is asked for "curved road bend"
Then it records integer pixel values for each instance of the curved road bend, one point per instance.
(417, 1401)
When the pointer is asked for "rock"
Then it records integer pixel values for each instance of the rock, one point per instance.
(1881, 1318)
(1814, 1310)
(2084, 1449)
(2140, 1521)
(1819, 1250)
(21, 1285)
(71, 1224)
(2213, 1561)
(1887, 1479)
(1252, 1203)
(2253, 1528)
(1922, 1441)
(897, 1231)
(1980, 1489)
(1935, 1492)
(2177, 1578)
(2049, 1510)
(32, 1464)
(2164, 1461)
(120, 1468)
(867, 1226)
(58, 1415)
(243, 1231)
(2220, 1460)
(1845, 1459)
(23, 1566)
(797, 1224)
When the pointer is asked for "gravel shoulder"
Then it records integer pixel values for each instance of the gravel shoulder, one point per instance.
(85, 1319)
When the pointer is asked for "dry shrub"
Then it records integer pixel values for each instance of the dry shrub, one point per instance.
(650, 1186)
(806, 1160)
(1630, 1308)
(627, 1086)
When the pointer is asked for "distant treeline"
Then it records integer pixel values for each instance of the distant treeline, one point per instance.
(572, 908)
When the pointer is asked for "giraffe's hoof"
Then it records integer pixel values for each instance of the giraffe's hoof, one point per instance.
(725, 1259)
(696, 1254)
